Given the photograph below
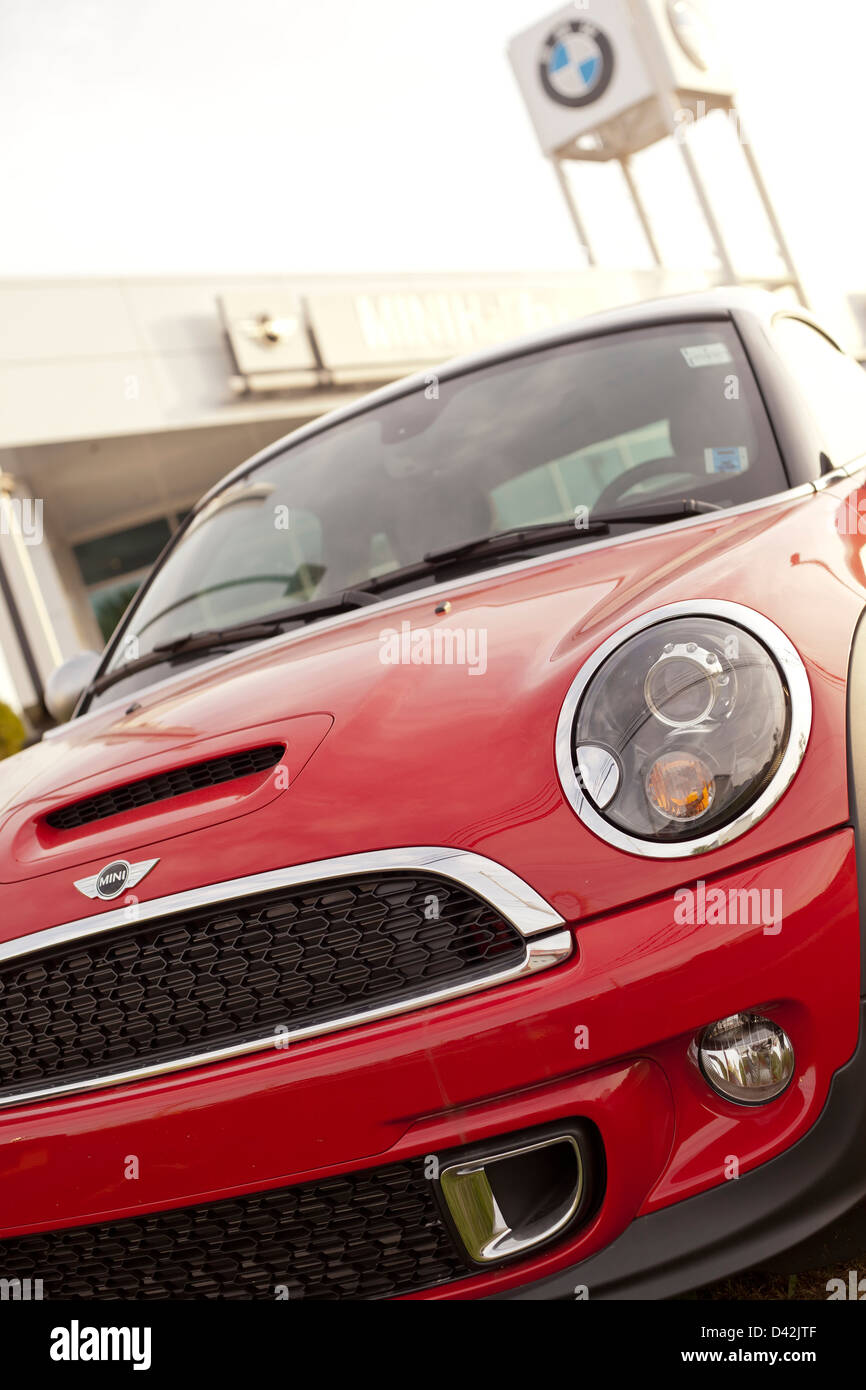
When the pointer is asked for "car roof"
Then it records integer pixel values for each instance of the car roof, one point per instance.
(719, 303)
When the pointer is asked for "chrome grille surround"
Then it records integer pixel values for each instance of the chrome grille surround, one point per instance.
(547, 944)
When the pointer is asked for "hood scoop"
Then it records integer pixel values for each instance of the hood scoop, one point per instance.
(131, 796)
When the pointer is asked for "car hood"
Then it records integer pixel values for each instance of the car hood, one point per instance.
(449, 700)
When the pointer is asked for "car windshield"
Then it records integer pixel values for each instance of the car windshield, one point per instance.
(598, 425)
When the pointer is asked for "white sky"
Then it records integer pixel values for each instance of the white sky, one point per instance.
(151, 136)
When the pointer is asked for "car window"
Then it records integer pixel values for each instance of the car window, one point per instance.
(602, 423)
(578, 479)
(284, 566)
(832, 384)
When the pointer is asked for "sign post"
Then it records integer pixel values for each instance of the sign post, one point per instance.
(604, 79)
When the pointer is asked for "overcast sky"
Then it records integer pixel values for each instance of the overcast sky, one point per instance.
(152, 136)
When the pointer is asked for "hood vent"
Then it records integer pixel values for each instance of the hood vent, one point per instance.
(164, 785)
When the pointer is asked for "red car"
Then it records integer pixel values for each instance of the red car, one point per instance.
(447, 884)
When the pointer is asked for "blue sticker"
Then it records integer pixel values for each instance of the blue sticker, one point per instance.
(733, 458)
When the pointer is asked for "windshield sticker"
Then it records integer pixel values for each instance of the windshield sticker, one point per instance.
(733, 458)
(707, 355)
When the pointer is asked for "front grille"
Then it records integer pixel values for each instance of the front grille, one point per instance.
(366, 1235)
(176, 782)
(142, 994)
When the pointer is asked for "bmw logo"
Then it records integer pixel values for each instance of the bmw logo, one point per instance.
(576, 63)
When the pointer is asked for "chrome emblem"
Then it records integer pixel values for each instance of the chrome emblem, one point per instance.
(114, 878)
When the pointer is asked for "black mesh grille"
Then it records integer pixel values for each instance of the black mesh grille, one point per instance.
(364, 1235)
(144, 993)
(195, 777)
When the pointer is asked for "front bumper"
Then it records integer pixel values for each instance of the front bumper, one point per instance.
(602, 1038)
(787, 1203)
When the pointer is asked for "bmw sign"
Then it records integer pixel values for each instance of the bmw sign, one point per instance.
(692, 32)
(598, 76)
(576, 63)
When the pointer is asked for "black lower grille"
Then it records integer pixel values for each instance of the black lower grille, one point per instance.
(176, 782)
(216, 976)
(366, 1235)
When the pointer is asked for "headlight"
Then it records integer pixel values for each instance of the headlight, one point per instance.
(684, 728)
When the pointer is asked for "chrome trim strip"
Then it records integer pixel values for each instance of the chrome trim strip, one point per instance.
(838, 475)
(509, 895)
(449, 586)
(513, 899)
(541, 953)
(788, 659)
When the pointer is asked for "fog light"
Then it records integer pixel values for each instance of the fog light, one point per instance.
(746, 1058)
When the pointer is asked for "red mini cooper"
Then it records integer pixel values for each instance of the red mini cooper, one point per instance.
(447, 884)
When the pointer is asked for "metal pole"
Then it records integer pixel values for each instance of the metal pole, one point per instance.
(571, 203)
(775, 224)
(670, 110)
(710, 218)
(625, 165)
(23, 640)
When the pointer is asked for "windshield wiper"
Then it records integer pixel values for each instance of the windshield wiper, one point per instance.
(206, 639)
(518, 538)
(259, 628)
(212, 639)
(670, 510)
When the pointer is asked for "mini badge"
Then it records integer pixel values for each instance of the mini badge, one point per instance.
(114, 878)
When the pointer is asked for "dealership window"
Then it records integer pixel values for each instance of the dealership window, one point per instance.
(114, 566)
(832, 384)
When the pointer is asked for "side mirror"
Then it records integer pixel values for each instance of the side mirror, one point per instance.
(66, 684)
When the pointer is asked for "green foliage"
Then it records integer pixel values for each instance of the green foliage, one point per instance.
(111, 606)
(12, 732)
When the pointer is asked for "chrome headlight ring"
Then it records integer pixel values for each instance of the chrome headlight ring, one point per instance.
(794, 677)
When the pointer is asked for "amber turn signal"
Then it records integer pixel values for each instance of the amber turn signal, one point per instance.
(680, 786)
